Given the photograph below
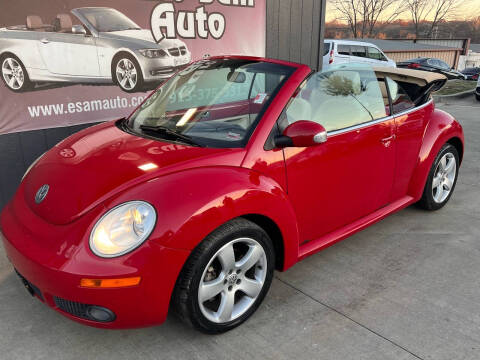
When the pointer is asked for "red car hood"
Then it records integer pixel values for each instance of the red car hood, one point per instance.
(92, 165)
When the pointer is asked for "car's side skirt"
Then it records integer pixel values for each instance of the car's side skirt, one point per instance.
(335, 236)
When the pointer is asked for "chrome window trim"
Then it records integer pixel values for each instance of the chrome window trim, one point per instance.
(377, 121)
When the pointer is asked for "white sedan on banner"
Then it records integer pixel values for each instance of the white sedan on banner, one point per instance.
(107, 47)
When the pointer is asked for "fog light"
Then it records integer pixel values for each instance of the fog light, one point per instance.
(101, 314)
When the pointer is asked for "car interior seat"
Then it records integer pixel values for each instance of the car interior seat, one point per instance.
(35, 23)
(299, 109)
(63, 23)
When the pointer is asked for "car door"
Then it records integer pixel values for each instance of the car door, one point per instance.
(351, 175)
(410, 126)
(69, 54)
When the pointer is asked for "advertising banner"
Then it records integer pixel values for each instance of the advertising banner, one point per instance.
(68, 62)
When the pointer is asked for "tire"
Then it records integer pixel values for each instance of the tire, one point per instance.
(14, 74)
(477, 97)
(126, 73)
(442, 179)
(208, 271)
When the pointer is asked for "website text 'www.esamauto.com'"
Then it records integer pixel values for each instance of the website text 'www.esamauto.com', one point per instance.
(85, 106)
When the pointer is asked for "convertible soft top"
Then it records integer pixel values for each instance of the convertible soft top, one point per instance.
(418, 77)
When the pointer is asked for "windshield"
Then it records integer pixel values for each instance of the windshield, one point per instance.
(215, 103)
(106, 20)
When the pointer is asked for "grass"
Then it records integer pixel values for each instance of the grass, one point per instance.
(456, 86)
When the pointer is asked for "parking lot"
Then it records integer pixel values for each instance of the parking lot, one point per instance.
(405, 288)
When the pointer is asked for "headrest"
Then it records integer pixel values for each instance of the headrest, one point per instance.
(65, 21)
(34, 22)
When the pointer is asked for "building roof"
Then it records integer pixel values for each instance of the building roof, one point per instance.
(475, 48)
(405, 45)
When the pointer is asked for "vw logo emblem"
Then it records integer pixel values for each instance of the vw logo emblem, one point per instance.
(41, 193)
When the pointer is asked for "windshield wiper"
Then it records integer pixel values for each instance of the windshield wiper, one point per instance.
(163, 130)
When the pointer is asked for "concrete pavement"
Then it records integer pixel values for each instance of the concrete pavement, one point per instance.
(405, 288)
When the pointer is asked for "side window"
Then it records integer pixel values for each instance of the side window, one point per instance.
(343, 49)
(337, 99)
(400, 99)
(376, 54)
(359, 51)
(443, 64)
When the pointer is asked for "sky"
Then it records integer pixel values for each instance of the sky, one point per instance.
(463, 12)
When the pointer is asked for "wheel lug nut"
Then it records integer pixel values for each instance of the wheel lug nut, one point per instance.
(230, 288)
(225, 281)
(230, 272)
(239, 281)
(239, 271)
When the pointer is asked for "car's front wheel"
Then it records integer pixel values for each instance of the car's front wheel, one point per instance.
(225, 278)
(441, 179)
(127, 74)
(14, 74)
(477, 97)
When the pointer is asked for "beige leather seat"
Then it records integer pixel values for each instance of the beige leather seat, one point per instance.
(299, 109)
(34, 22)
(65, 23)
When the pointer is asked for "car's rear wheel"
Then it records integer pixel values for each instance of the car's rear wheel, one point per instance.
(441, 179)
(14, 74)
(225, 278)
(127, 74)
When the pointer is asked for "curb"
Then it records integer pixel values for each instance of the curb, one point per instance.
(459, 95)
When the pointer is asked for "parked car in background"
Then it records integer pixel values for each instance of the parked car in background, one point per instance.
(471, 73)
(192, 202)
(433, 65)
(348, 51)
(107, 47)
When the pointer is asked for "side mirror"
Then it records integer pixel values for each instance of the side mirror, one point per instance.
(78, 29)
(302, 133)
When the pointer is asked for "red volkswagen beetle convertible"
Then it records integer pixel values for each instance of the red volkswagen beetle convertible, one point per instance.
(234, 167)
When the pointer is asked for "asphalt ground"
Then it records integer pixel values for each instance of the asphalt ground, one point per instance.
(405, 288)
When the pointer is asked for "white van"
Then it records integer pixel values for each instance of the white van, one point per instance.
(337, 51)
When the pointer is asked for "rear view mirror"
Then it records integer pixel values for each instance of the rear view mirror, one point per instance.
(78, 29)
(302, 133)
(236, 77)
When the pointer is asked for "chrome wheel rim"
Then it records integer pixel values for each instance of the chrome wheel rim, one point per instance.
(232, 280)
(444, 178)
(13, 73)
(126, 74)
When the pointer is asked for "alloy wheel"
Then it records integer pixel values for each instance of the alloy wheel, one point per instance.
(126, 74)
(444, 178)
(232, 280)
(13, 73)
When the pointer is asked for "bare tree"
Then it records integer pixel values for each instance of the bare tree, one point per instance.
(362, 16)
(431, 13)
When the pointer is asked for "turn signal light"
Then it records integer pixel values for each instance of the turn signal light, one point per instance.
(110, 283)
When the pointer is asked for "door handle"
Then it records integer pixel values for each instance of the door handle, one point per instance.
(44, 41)
(387, 141)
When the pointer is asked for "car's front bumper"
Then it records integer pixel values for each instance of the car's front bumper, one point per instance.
(54, 275)
(162, 68)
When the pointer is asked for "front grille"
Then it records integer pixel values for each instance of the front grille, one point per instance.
(30, 287)
(174, 51)
(74, 308)
(85, 311)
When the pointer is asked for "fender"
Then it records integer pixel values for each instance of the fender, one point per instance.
(441, 128)
(207, 197)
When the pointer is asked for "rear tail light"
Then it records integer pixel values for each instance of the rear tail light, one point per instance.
(330, 60)
(414, 65)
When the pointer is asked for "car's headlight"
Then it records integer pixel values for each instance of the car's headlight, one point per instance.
(153, 53)
(123, 229)
(32, 165)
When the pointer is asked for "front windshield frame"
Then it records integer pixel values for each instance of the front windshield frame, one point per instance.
(283, 71)
(129, 24)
